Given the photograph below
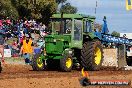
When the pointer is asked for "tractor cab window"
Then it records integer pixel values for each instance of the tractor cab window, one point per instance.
(88, 26)
(56, 27)
(77, 30)
(65, 26)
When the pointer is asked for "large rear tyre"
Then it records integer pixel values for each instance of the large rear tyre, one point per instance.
(37, 63)
(92, 55)
(66, 63)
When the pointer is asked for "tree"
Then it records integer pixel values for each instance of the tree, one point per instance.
(7, 10)
(67, 8)
(116, 34)
(46, 12)
(41, 10)
(24, 7)
(60, 1)
(37, 9)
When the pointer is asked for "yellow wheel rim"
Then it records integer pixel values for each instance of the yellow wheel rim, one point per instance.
(39, 62)
(68, 62)
(97, 56)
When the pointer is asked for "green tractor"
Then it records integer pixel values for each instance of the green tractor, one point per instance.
(72, 41)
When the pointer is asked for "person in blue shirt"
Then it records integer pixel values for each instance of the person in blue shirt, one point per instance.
(105, 28)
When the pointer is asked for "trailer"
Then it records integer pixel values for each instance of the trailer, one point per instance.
(123, 45)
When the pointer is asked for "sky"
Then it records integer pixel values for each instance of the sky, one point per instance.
(118, 19)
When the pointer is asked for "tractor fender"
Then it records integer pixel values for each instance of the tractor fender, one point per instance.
(94, 35)
(91, 37)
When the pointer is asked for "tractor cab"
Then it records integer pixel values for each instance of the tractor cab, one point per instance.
(73, 25)
(76, 22)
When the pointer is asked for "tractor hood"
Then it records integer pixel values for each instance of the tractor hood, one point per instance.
(56, 44)
(53, 38)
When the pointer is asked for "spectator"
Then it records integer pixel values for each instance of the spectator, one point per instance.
(33, 35)
(15, 49)
(2, 45)
(27, 49)
(124, 36)
(43, 27)
(8, 21)
(14, 43)
(1, 24)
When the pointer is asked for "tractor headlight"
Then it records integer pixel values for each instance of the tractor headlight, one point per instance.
(54, 40)
(70, 52)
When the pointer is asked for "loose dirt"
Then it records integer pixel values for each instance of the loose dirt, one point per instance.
(17, 75)
(22, 76)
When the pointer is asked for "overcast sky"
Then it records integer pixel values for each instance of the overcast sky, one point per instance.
(118, 18)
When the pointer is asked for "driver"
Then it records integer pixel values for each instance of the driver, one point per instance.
(68, 31)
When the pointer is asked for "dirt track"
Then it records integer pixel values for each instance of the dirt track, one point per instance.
(22, 76)
(17, 75)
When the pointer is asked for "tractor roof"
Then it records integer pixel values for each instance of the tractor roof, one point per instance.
(76, 16)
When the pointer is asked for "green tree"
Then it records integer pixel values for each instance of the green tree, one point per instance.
(7, 10)
(68, 8)
(46, 12)
(23, 7)
(60, 1)
(35, 8)
(116, 34)
(41, 10)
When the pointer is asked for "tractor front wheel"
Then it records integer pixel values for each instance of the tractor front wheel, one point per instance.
(37, 63)
(66, 63)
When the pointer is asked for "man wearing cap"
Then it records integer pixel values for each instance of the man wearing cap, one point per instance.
(27, 48)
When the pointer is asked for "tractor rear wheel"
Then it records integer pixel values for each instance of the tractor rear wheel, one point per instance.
(66, 63)
(37, 63)
(92, 55)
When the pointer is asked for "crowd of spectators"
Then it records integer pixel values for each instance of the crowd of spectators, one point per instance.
(17, 30)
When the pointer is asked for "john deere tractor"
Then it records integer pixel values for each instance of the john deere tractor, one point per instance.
(72, 41)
